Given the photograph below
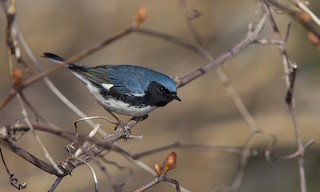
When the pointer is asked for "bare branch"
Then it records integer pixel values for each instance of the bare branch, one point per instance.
(290, 75)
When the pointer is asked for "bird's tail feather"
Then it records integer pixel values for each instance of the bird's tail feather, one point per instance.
(53, 57)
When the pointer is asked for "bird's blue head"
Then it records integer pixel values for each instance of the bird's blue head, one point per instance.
(160, 89)
(146, 85)
(163, 80)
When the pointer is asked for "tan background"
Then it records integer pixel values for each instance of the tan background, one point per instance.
(205, 115)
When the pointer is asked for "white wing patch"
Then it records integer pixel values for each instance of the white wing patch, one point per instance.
(107, 86)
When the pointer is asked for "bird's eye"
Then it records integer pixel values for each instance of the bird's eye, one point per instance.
(161, 89)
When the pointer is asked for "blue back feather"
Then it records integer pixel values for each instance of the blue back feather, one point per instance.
(134, 79)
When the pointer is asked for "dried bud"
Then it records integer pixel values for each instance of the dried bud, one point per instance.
(304, 17)
(140, 16)
(157, 168)
(16, 77)
(313, 38)
(170, 162)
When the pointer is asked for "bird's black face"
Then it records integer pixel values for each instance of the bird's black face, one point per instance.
(158, 95)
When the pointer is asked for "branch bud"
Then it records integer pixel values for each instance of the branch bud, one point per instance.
(16, 77)
(170, 162)
(313, 38)
(304, 17)
(140, 16)
(157, 168)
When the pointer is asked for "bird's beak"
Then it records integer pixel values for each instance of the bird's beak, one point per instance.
(174, 96)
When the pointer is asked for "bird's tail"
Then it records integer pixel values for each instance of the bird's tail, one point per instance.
(53, 57)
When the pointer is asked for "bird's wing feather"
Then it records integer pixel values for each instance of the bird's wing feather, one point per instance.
(126, 81)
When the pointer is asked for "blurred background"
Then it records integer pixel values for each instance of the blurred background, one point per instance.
(206, 114)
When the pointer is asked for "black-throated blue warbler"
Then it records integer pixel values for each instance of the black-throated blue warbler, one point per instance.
(124, 89)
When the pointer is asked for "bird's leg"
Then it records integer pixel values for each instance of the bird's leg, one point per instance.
(121, 124)
(114, 116)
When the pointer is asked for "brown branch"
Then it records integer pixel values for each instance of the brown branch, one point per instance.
(161, 171)
(95, 149)
(269, 154)
(235, 150)
(290, 75)
(157, 180)
(301, 16)
(29, 157)
(117, 187)
(71, 163)
(244, 112)
(237, 48)
(10, 9)
(54, 68)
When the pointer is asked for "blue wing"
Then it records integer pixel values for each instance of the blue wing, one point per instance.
(126, 79)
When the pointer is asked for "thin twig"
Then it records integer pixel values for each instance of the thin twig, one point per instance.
(227, 149)
(55, 184)
(115, 185)
(251, 37)
(157, 180)
(303, 17)
(302, 6)
(290, 73)
(243, 162)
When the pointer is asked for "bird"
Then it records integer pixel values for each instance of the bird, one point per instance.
(124, 89)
